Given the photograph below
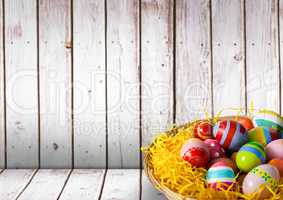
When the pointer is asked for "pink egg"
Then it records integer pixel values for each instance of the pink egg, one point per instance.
(215, 149)
(195, 152)
(275, 149)
(261, 175)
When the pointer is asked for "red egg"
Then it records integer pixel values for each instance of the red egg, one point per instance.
(195, 152)
(278, 163)
(215, 149)
(203, 130)
(243, 120)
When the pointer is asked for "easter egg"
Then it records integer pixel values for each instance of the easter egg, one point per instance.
(243, 120)
(278, 163)
(275, 149)
(203, 130)
(226, 161)
(215, 149)
(220, 176)
(263, 135)
(268, 119)
(259, 176)
(230, 134)
(196, 152)
(249, 156)
(233, 156)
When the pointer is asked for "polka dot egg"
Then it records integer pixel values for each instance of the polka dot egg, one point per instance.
(215, 149)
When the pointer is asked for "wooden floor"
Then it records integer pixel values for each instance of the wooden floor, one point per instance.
(78, 184)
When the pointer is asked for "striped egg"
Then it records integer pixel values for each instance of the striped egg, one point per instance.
(220, 176)
(249, 156)
(230, 134)
(268, 119)
(263, 135)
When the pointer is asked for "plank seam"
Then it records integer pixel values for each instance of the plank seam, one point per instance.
(245, 55)
(72, 80)
(65, 183)
(38, 83)
(28, 183)
(4, 84)
(174, 62)
(211, 58)
(279, 56)
(1, 171)
(102, 185)
(106, 83)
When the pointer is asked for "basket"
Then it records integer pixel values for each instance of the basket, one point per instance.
(148, 171)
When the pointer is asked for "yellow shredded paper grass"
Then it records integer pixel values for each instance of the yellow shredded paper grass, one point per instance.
(167, 167)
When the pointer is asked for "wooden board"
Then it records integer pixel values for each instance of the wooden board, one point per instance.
(123, 83)
(83, 184)
(55, 84)
(228, 55)
(46, 185)
(89, 84)
(262, 54)
(148, 191)
(281, 49)
(21, 82)
(2, 94)
(12, 182)
(157, 67)
(117, 185)
(193, 60)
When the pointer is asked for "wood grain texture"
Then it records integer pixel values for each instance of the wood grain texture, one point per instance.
(157, 67)
(123, 83)
(45, 185)
(89, 84)
(228, 55)
(55, 83)
(12, 182)
(262, 54)
(21, 82)
(84, 184)
(148, 190)
(121, 185)
(281, 48)
(2, 94)
(193, 60)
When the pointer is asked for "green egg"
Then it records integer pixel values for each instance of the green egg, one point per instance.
(249, 156)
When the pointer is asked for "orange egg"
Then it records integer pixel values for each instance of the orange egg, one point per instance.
(278, 163)
(243, 120)
(233, 156)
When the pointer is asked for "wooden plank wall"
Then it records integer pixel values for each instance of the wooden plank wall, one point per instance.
(86, 83)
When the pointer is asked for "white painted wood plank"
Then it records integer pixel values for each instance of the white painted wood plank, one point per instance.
(12, 182)
(281, 48)
(121, 185)
(123, 83)
(89, 84)
(228, 55)
(21, 82)
(157, 67)
(262, 54)
(83, 184)
(149, 192)
(193, 60)
(45, 185)
(2, 96)
(55, 83)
